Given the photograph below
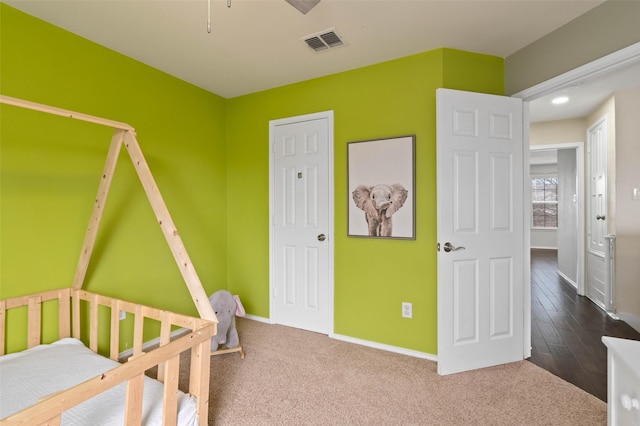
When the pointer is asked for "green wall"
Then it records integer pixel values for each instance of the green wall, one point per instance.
(372, 277)
(50, 168)
(210, 158)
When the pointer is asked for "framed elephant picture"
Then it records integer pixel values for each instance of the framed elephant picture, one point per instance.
(381, 188)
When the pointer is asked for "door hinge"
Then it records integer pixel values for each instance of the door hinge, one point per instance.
(438, 246)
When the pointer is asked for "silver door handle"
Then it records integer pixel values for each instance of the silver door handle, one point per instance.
(449, 247)
(598, 217)
(321, 237)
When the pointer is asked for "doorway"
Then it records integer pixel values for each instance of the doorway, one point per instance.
(563, 162)
(301, 228)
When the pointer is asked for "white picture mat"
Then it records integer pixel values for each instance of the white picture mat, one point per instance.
(382, 161)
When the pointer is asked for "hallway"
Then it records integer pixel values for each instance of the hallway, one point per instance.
(566, 329)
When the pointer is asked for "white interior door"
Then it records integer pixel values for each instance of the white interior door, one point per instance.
(301, 236)
(480, 214)
(597, 284)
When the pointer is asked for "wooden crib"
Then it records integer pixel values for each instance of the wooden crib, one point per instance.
(78, 316)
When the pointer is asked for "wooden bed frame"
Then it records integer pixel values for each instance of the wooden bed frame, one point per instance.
(71, 323)
(70, 313)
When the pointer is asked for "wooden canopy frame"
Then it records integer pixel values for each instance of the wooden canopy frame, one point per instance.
(124, 133)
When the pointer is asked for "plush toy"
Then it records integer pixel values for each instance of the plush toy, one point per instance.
(227, 307)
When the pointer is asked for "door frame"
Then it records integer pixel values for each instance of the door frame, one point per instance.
(328, 115)
(608, 305)
(580, 161)
(608, 63)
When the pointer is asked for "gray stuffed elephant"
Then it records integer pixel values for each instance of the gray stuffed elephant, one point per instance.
(227, 307)
(379, 203)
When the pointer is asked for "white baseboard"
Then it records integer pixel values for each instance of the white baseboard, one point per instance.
(257, 318)
(631, 319)
(389, 348)
(567, 279)
(544, 248)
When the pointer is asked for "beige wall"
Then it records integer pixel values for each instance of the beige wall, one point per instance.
(555, 132)
(603, 30)
(628, 210)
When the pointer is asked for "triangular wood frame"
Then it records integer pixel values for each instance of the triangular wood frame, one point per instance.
(124, 133)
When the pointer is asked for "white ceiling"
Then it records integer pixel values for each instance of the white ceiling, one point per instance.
(256, 44)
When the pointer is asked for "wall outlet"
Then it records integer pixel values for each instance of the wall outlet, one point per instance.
(407, 310)
(123, 314)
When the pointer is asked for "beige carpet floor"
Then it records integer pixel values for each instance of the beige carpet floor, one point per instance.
(295, 377)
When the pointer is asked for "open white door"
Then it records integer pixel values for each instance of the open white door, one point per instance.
(480, 230)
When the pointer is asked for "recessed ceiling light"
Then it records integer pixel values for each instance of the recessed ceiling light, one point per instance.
(560, 100)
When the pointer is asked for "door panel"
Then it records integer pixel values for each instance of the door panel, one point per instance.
(596, 273)
(480, 210)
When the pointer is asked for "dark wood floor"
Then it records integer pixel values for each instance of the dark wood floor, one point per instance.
(566, 329)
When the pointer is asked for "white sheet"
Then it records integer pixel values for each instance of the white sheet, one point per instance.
(28, 376)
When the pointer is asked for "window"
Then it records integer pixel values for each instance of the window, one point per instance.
(544, 194)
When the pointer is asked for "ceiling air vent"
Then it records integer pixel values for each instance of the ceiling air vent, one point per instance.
(323, 40)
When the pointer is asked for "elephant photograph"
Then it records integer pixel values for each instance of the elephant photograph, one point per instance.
(381, 185)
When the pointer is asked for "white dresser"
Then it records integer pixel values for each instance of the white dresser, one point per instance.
(623, 378)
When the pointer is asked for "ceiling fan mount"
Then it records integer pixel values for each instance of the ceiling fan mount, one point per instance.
(304, 6)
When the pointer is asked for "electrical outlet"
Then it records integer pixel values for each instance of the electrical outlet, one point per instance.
(407, 310)
(123, 314)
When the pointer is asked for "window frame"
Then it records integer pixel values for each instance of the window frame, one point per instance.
(532, 202)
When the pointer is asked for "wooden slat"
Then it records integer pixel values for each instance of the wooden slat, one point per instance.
(169, 229)
(114, 345)
(35, 321)
(138, 329)
(44, 296)
(229, 351)
(63, 112)
(199, 379)
(3, 323)
(133, 406)
(93, 323)
(170, 413)
(64, 313)
(98, 208)
(55, 421)
(76, 319)
(165, 337)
